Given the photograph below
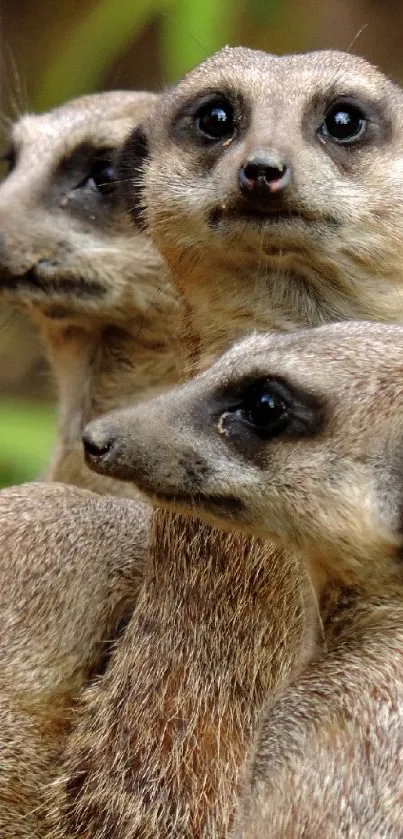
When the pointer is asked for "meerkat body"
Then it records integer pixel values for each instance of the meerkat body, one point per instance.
(70, 568)
(93, 284)
(298, 438)
(159, 741)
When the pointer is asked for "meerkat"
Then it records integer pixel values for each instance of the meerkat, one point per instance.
(96, 288)
(92, 282)
(71, 562)
(106, 311)
(272, 186)
(303, 236)
(297, 438)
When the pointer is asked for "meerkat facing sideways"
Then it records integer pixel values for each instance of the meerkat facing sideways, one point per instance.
(92, 282)
(298, 438)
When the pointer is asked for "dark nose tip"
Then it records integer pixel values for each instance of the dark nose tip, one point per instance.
(264, 175)
(97, 443)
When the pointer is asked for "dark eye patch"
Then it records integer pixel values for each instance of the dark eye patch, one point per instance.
(267, 408)
(102, 174)
(209, 119)
(130, 168)
(88, 166)
(347, 120)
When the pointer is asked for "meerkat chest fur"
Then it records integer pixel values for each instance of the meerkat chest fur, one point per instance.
(193, 670)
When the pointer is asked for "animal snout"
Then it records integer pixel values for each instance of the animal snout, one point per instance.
(98, 442)
(264, 175)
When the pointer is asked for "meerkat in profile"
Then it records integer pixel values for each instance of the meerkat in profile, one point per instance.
(297, 438)
(92, 282)
(71, 563)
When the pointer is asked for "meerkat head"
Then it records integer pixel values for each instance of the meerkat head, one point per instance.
(67, 244)
(273, 188)
(292, 436)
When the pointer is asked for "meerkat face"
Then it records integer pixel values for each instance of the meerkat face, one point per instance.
(66, 243)
(257, 164)
(294, 436)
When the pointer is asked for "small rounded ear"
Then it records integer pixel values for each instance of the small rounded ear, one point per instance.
(130, 166)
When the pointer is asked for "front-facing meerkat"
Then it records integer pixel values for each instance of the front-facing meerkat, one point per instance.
(298, 438)
(93, 283)
(272, 187)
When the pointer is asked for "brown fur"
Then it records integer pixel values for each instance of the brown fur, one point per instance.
(329, 756)
(61, 607)
(234, 275)
(90, 280)
(160, 740)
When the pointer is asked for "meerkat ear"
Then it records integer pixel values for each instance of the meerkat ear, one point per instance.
(131, 159)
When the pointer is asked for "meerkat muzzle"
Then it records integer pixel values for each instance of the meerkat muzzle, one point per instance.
(264, 175)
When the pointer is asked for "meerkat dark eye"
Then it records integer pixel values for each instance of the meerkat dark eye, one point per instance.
(215, 120)
(344, 123)
(103, 176)
(265, 409)
(96, 167)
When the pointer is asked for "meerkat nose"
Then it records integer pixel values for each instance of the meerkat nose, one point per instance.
(263, 175)
(97, 441)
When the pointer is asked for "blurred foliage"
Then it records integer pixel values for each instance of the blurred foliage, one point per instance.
(27, 432)
(193, 30)
(106, 31)
(189, 30)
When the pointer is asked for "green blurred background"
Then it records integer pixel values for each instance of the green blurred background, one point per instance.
(56, 50)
